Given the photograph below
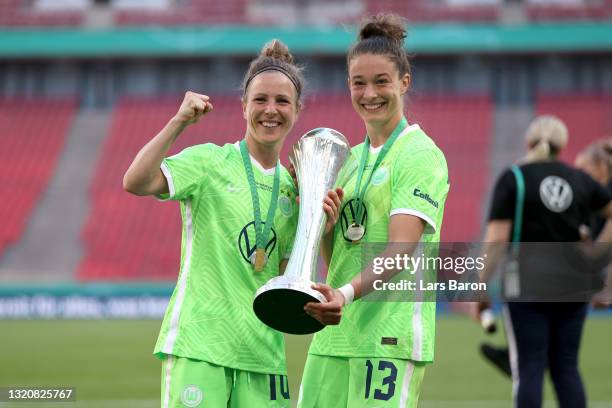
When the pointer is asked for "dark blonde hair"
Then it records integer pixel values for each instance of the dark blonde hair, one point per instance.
(546, 136)
(600, 153)
(383, 34)
(275, 56)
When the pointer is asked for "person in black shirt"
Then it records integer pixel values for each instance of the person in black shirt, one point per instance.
(557, 200)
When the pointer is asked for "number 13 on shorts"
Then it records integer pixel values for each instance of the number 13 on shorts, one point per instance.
(380, 382)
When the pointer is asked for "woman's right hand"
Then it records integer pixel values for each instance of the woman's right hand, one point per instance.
(193, 107)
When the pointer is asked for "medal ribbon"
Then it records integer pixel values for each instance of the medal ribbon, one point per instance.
(403, 124)
(261, 234)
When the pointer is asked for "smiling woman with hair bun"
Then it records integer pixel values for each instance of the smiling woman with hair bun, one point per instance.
(374, 353)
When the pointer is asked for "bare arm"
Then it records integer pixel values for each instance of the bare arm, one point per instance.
(496, 235)
(144, 176)
(404, 235)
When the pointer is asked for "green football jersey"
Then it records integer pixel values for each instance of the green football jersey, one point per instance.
(411, 179)
(210, 315)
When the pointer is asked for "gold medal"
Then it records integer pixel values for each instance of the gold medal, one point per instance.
(259, 259)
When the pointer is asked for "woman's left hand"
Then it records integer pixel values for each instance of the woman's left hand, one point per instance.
(331, 206)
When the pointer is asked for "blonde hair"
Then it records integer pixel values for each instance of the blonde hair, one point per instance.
(546, 136)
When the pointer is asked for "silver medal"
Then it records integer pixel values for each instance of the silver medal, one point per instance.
(355, 232)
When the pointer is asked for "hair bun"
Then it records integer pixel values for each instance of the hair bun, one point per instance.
(390, 26)
(278, 50)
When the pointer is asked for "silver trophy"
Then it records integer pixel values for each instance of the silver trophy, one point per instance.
(317, 158)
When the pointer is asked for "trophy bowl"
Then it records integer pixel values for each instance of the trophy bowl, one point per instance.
(317, 157)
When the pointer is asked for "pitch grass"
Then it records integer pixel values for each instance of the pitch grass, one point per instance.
(110, 363)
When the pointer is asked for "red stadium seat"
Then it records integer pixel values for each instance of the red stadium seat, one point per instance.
(425, 11)
(587, 116)
(135, 238)
(187, 13)
(462, 127)
(31, 145)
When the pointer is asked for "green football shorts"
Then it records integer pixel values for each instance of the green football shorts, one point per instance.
(335, 382)
(193, 383)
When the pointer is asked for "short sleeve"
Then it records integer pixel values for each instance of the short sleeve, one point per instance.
(504, 197)
(186, 170)
(420, 186)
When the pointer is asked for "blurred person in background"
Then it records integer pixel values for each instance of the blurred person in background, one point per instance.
(239, 217)
(376, 356)
(596, 161)
(557, 200)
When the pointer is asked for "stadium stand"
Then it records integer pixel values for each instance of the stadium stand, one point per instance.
(31, 144)
(41, 13)
(588, 117)
(186, 13)
(462, 127)
(131, 238)
(20, 13)
(427, 11)
(585, 10)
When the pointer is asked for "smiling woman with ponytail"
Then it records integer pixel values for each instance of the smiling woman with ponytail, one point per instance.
(214, 350)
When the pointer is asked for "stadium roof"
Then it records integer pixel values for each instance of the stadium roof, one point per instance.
(243, 40)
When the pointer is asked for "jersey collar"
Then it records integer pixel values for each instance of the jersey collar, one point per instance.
(410, 128)
(266, 172)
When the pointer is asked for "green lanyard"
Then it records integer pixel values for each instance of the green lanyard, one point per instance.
(518, 210)
(364, 158)
(261, 234)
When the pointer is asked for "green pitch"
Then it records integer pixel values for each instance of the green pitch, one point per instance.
(110, 363)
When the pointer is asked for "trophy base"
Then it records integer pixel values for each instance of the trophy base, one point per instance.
(280, 305)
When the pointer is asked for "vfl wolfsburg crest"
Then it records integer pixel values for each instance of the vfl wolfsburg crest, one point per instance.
(191, 396)
(380, 176)
(285, 206)
(248, 244)
(556, 194)
(348, 214)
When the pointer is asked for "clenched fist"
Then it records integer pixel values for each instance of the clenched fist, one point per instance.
(193, 107)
